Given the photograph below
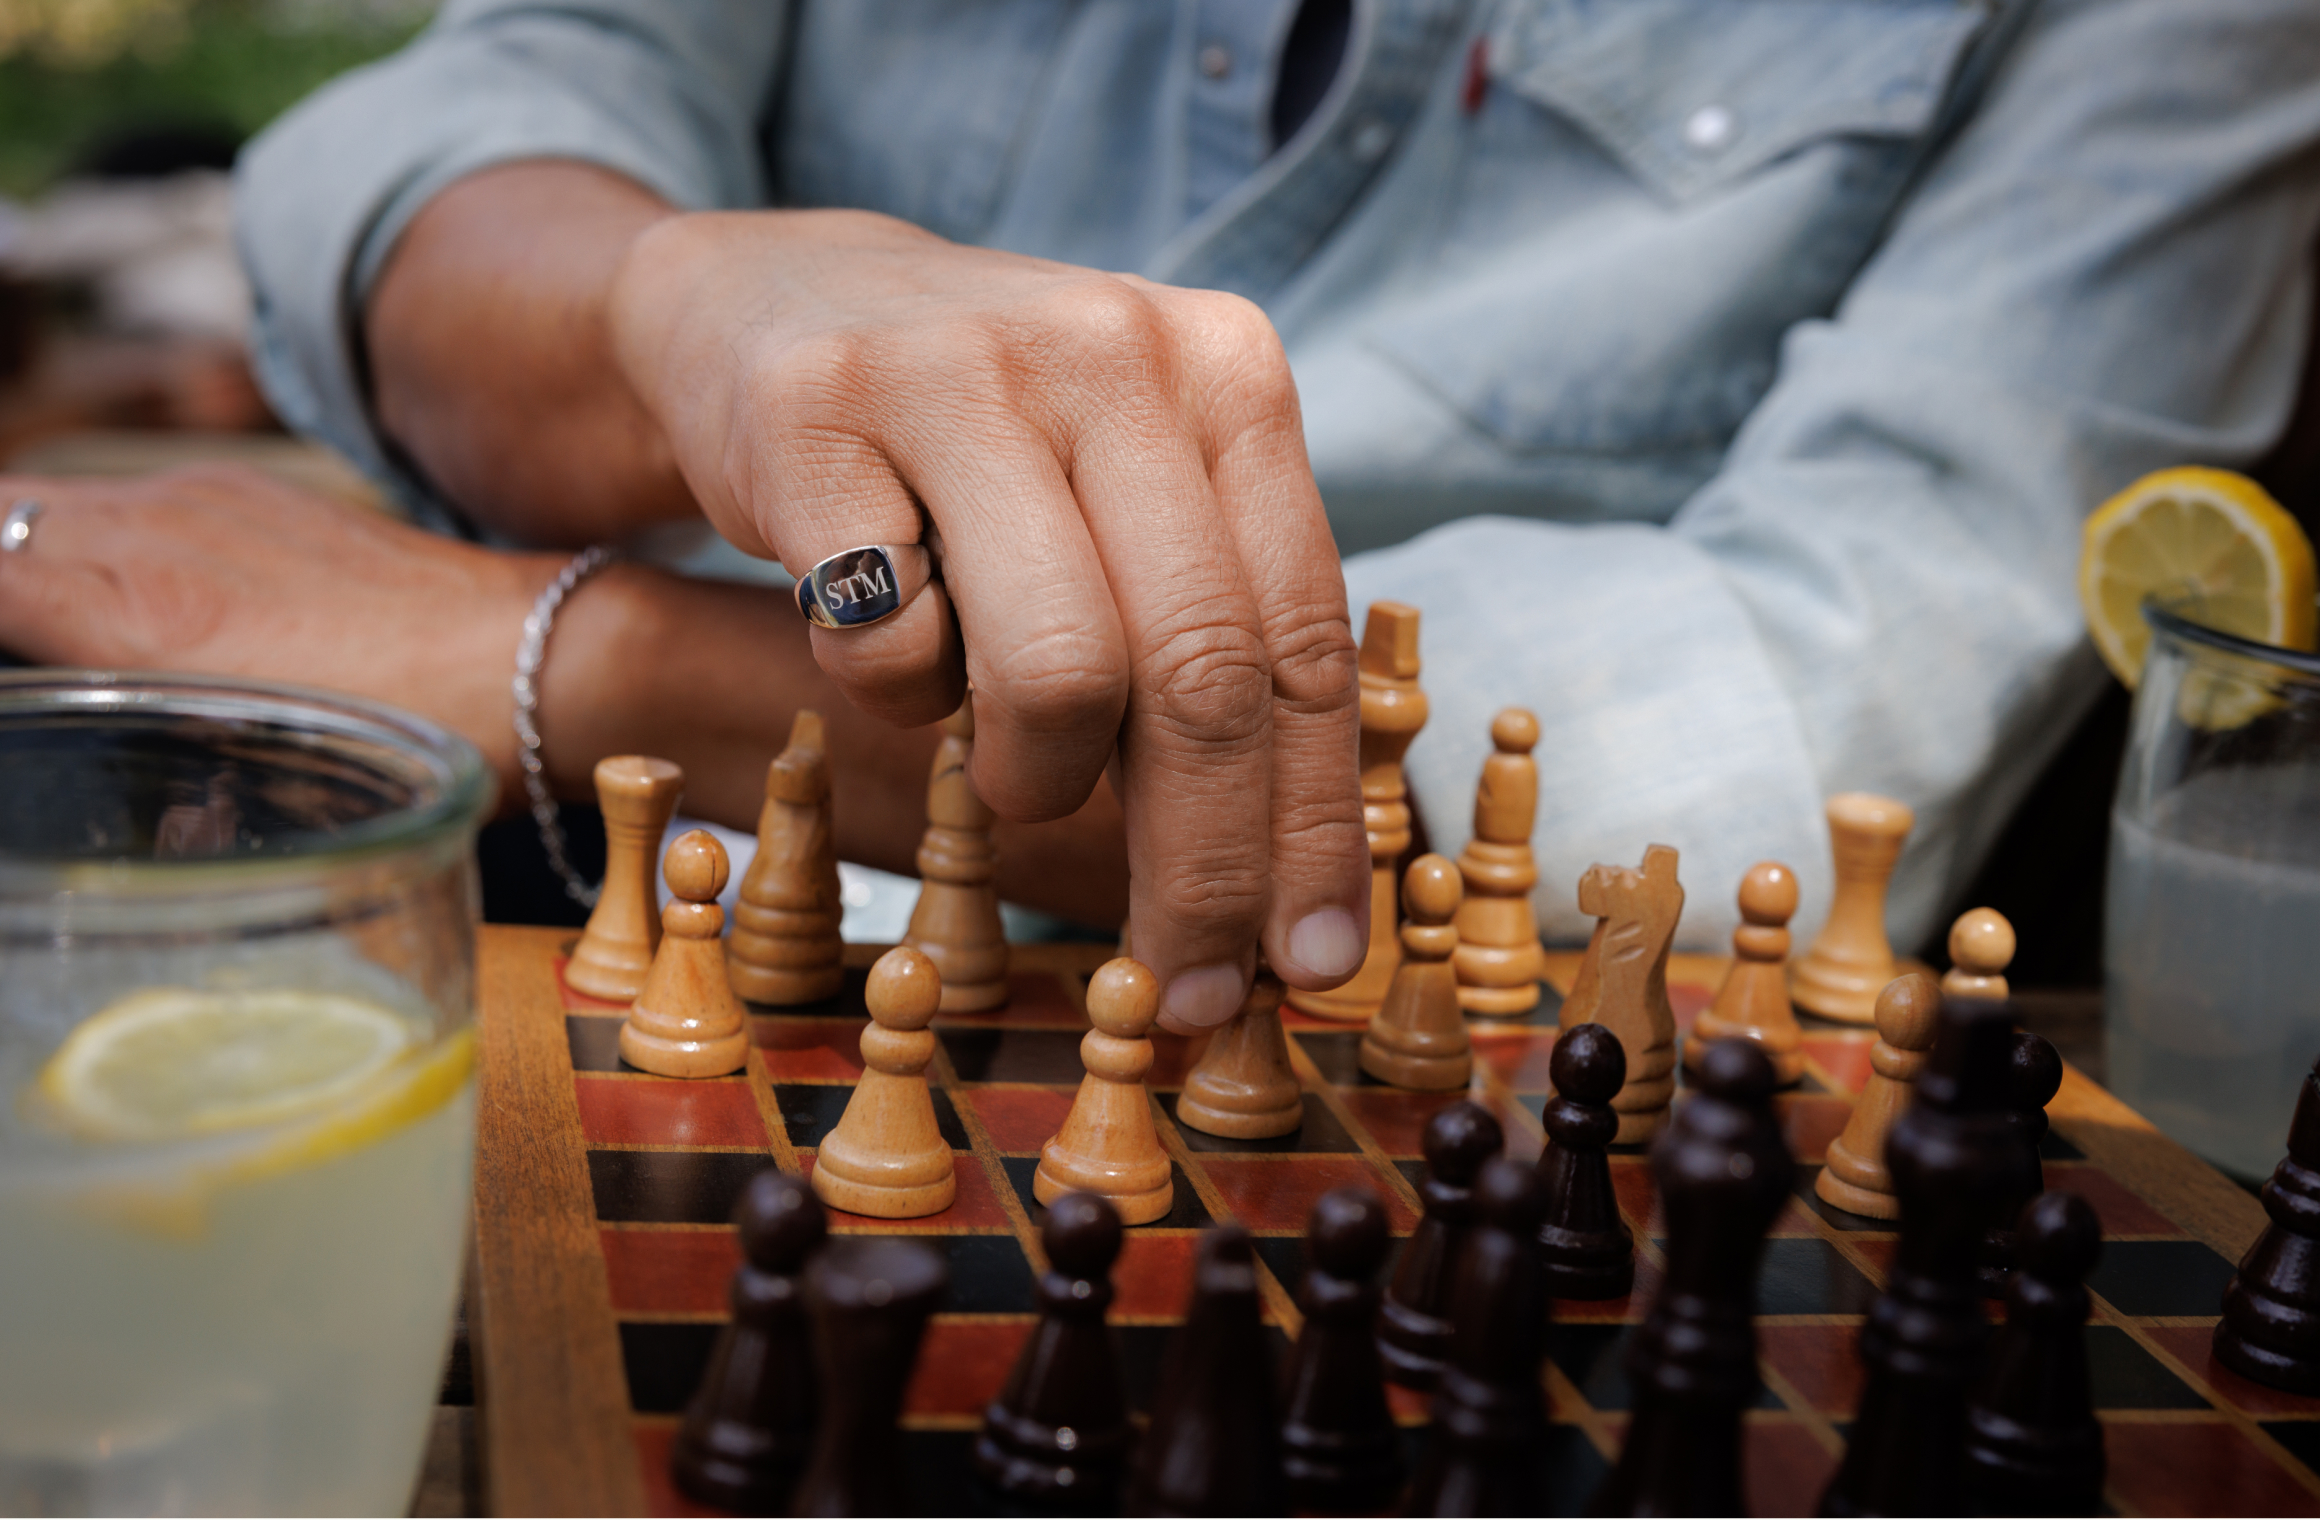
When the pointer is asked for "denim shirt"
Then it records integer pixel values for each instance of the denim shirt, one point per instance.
(1725, 380)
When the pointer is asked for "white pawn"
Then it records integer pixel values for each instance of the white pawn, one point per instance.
(685, 1021)
(1981, 947)
(887, 1157)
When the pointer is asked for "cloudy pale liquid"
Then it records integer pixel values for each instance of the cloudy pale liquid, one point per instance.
(280, 1357)
(2211, 968)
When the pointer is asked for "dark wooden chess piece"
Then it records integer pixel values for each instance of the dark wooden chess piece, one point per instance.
(1414, 1322)
(1490, 1409)
(750, 1425)
(2270, 1329)
(1213, 1447)
(1058, 1434)
(870, 1296)
(2033, 1444)
(2033, 1077)
(1951, 1150)
(1339, 1448)
(1590, 1252)
(1723, 1174)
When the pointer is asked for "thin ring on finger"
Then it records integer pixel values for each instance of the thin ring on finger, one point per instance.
(16, 526)
(857, 587)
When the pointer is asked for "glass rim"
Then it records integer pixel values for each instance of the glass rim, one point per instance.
(462, 785)
(2167, 618)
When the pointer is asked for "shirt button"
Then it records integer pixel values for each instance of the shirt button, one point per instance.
(1215, 60)
(1370, 140)
(1711, 128)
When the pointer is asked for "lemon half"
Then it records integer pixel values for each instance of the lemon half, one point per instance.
(2210, 539)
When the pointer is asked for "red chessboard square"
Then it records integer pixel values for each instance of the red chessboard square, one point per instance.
(653, 1440)
(1612, 1311)
(1020, 1119)
(1518, 1057)
(963, 1364)
(670, 1271)
(810, 1050)
(2121, 1210)
(2202, 1468)
(976, 1206)
(1821, 1362)
(1809, 1121)
(1686, 999)
(1878, 1253)
(2192, 1345)
(642, 1111)
(1173, 1057)
(1153, 1277)
(1786, 1468)
(1842, 1061)
(1394, 1118)
(1638, 1199)
(1277, 1192)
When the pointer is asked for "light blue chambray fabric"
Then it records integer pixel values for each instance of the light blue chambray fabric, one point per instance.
(1726, 383)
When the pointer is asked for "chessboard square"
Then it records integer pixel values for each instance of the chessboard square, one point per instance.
(2121, 1210)
(2055, 1147)
(1687, 1000)
(670, 1271)
(664, 1363)
(616, 1111)
(1809, 1121)
(1570, 1471)
(1638, 1195)
(975, 1205)
(2198, 1468)
(2125, 1376)
(1153, 1277)
(1807, 1179)
(1594, 1358)
(594, 1042)
(1284, 1257)
(810, 1050)
(1012, 1055)
(962, 1365)
(2160, 1277)
(1519, 1056)
(1810, 1276)
(1185, 1210)
(1040, 997)
(1821, 1362)
(1277, 1193)
(2194, 1347)
(1629, 1305)
(1337, 1053)
(1021, 1119)
(654, 1439)
(2300, 1437)
(1786, 1469)
(989, 1273)
(1843, 1060)
(670, 1187)
(1320, 1134)
(1143, 1348)
(1396, 1120)
(810, 1111)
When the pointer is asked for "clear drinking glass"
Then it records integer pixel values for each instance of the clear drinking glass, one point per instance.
(248, 1318)
(2211, 958)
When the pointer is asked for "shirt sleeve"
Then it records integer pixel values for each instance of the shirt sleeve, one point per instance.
(2107, 271)
(667, 95)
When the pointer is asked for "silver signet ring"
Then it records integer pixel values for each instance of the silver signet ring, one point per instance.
(16, 526)
(857, 587)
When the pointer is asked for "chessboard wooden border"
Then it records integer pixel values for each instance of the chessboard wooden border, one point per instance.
(551, 1392)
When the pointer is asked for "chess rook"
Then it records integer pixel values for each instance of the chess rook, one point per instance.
(685, 1021)
(2033, 1445)
(2270, 1330)
(2033, 1076)
(887, 1157)
(870, 1297)
(1414, 1328)
(956, 922)
(1339, 1449)
(1108, 1145)
(1855, 1177)
(1981, 947)
(1587, 1248)
(1212, 1447)
(1242, 1087)
(1058, 1433)
(1393, 709)
(638, 795)
(1851, 960)
(786, 948)
(750, 1425)
(1753, 1002)
(1622, 981)
(1418, 1038)
(1500, 961)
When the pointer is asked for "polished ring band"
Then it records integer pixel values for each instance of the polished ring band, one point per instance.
(16, 526)
(858, 587)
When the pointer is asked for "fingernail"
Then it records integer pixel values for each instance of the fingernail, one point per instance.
(1327, 943)
(1203, 997)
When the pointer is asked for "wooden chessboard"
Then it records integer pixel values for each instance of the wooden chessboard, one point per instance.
(603, 1248)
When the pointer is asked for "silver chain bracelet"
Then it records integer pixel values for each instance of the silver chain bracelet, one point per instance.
(527, 694)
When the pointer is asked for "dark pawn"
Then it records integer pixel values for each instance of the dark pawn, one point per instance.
(2270, 1329)
(2033, 1445)
(1213, 1447)
(2031, 1083)
(1589, 1251)
(1490, 1412)
(1339, 1447)
(1950, 1151)
(1723, 1174)
(870, 1297)
(1414, 1326)
(1058, 1433)
(750, 1426)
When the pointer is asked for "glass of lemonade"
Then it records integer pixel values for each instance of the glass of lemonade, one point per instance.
(2211, 958)
(237, 966)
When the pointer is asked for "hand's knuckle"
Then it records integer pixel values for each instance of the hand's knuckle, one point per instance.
(1066, 681)
(1209, 678)
(1316, 665)
(1214, 890)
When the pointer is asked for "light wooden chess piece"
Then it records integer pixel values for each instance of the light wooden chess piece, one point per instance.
(1418, 1038)
(1850, 961)
(786, 948)
(1242, 1087)
(887, 1157)
(1855, 1177)
(1393, 709)
(1499, 958)
(638, 796)
(1753, 1002)
(1108, 1144)
(1981, 947)
(686, 1022)
(956, 923)
(1622, 982)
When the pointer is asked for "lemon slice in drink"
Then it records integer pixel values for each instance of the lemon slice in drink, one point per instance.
(2210, 539)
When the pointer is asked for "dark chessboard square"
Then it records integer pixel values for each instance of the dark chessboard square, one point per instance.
(1843, 1219)
(1594, 1358)
(670, 1187)
(1185, 1212)
(848, 1003)
(1014, 1055)
(2055, 1148)
(1570, 1470)
(810, 1110)
(989, 1273)
(2300, 1437)
(2153, 1277)
(1415, 1171)
(595, 1042)
(1319, 1133)
(1810, 1275)
(1285, 1256)
(664, 1364)
(1337, 1052)
(2126, 1376)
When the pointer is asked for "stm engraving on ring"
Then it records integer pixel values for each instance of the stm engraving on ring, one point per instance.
(857, 587)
